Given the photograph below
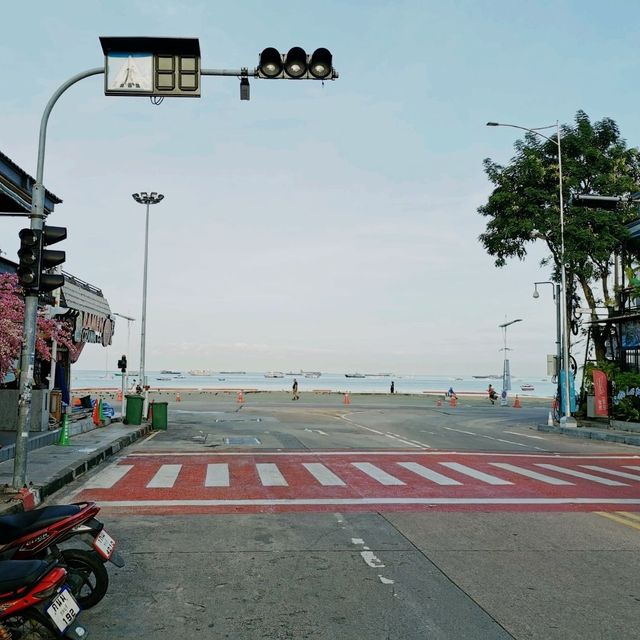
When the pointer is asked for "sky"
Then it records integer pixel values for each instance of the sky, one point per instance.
(329, 227)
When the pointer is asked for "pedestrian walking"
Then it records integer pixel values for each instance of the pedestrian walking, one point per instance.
(451, 393)
(493, 396)
(295, 390)
(393, 387)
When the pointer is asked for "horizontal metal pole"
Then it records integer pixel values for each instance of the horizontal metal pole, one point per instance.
(229, 72)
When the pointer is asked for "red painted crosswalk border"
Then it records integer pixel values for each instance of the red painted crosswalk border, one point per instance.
(234, 482)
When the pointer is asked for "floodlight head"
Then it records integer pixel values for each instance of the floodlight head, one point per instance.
(147, 198)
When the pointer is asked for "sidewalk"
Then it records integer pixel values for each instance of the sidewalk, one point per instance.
(589, 431)
(50, 467)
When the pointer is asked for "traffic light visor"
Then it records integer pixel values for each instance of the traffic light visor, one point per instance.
(321, 61)
(51, 235)
(295, 64)
(270, 63)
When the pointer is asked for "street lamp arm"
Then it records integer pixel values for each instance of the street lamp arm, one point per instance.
(535, 130)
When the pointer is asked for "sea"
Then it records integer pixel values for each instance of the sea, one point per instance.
(371, 383)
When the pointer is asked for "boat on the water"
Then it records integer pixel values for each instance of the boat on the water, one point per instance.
(354, 375)
(232, 373)
(200, 372)
(274, 374)
(169, 372)
(312, 374)
(527, 387)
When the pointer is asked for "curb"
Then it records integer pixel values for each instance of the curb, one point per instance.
(592, 434)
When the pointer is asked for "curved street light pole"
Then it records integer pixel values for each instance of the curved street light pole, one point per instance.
(563, 272)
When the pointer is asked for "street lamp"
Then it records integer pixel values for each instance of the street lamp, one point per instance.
(506, 375)
(563, 272)
(147, 199)
(556, 298)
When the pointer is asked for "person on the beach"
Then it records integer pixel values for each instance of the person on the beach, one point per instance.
(393, 387)
(493, 396)
(451, 393)
(295, 390)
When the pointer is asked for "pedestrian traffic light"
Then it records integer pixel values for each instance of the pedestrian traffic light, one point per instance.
(29, 259)
(296, 64)
(122, 364)
(50, 258)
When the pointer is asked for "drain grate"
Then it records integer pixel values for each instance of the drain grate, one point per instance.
(242, 440)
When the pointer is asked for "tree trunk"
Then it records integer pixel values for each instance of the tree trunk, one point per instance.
(598, 334)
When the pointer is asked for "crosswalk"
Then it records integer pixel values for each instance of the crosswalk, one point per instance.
(409, 474)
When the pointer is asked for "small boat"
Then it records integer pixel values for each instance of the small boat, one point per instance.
(200, 372)
(312, 374)
(527, 387)
(274, 374)
(172, 373)
(163, 378)
(354, 375)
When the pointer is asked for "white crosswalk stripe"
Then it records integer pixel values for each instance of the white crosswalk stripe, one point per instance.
(474, 473)
(376, 473)
(529, 473)
(429, 474)
(165, 477)
(323, 475)
(217, 475)
(580, 474)
(270, 475)
(620, 474)
(632, 468)
(108, 477)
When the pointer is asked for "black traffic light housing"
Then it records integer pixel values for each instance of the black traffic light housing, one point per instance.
(29, 259)
(122, 364)
(588, 201)
(296, 64)
(50, 258)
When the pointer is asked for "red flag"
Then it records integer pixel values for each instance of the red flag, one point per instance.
(600, 390)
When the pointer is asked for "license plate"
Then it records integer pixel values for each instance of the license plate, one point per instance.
(63, 610)
(104, 544)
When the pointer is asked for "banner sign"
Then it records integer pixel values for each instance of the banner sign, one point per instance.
(600, 389)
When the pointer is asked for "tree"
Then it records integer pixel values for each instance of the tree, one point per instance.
(11, 323)
(524, 207)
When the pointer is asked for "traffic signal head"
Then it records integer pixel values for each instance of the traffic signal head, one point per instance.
(50, 258)
(296, 64)
(122, 364)
(29, 257)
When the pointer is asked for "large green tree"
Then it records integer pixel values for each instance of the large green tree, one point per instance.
(524, 207)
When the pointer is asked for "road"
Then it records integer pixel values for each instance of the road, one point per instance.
(389, 517)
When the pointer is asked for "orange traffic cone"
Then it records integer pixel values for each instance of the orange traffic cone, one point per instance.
(240, 397)
(453, 402)
(516, 404)
(439, 403)
(178, 398)
(346, 399)
(119, 397)
(95, 416)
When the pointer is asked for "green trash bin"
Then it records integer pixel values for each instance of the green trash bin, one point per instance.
(159, 416)
(134, 409)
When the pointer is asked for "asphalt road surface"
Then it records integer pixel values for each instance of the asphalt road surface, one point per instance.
(388, 518)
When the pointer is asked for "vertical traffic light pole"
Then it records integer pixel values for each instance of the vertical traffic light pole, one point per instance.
(27, 357)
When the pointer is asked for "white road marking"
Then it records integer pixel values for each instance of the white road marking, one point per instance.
(385, 580)
(529, 474)
(468, 433)
(474, 473)
(388, 434)
(323, 475)
(165, 477)
(376, 473)
(621, 474)
(217, 475)
(580, 474)
(523, 435)
(270, 475)
(108, 477)
(429, 474)
(357, 541)
(632, 468)
(393, 435)
(372, 560)
(364, 501)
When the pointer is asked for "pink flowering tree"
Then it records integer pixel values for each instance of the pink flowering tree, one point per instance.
(11, 322)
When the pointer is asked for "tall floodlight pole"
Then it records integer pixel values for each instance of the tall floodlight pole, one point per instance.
(146, 199)
(506, 375)
(563, 271)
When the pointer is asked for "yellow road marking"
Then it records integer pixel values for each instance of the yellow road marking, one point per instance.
(622, 517)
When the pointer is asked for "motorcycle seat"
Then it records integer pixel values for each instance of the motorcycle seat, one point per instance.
(17, 525)
(15, 574)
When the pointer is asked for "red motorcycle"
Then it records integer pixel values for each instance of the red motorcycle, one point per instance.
(35, 602)
(40, 532)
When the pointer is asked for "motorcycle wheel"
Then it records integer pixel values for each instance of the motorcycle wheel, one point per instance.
(29, 625)
(87, 576)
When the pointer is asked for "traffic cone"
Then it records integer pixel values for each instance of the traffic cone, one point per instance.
(439, 403)
(150, 412)
(178, 398)
(550, 420)
(119, 398)
(453, 402)
(63, 440)
(346, 399)
(95, 416)
(240, 397)
(101, 413)
(516, 404)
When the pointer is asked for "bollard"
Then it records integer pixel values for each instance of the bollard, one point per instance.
(240, 397)
(63, 440)
(516, 404)
(178, 398)
(550, 420)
